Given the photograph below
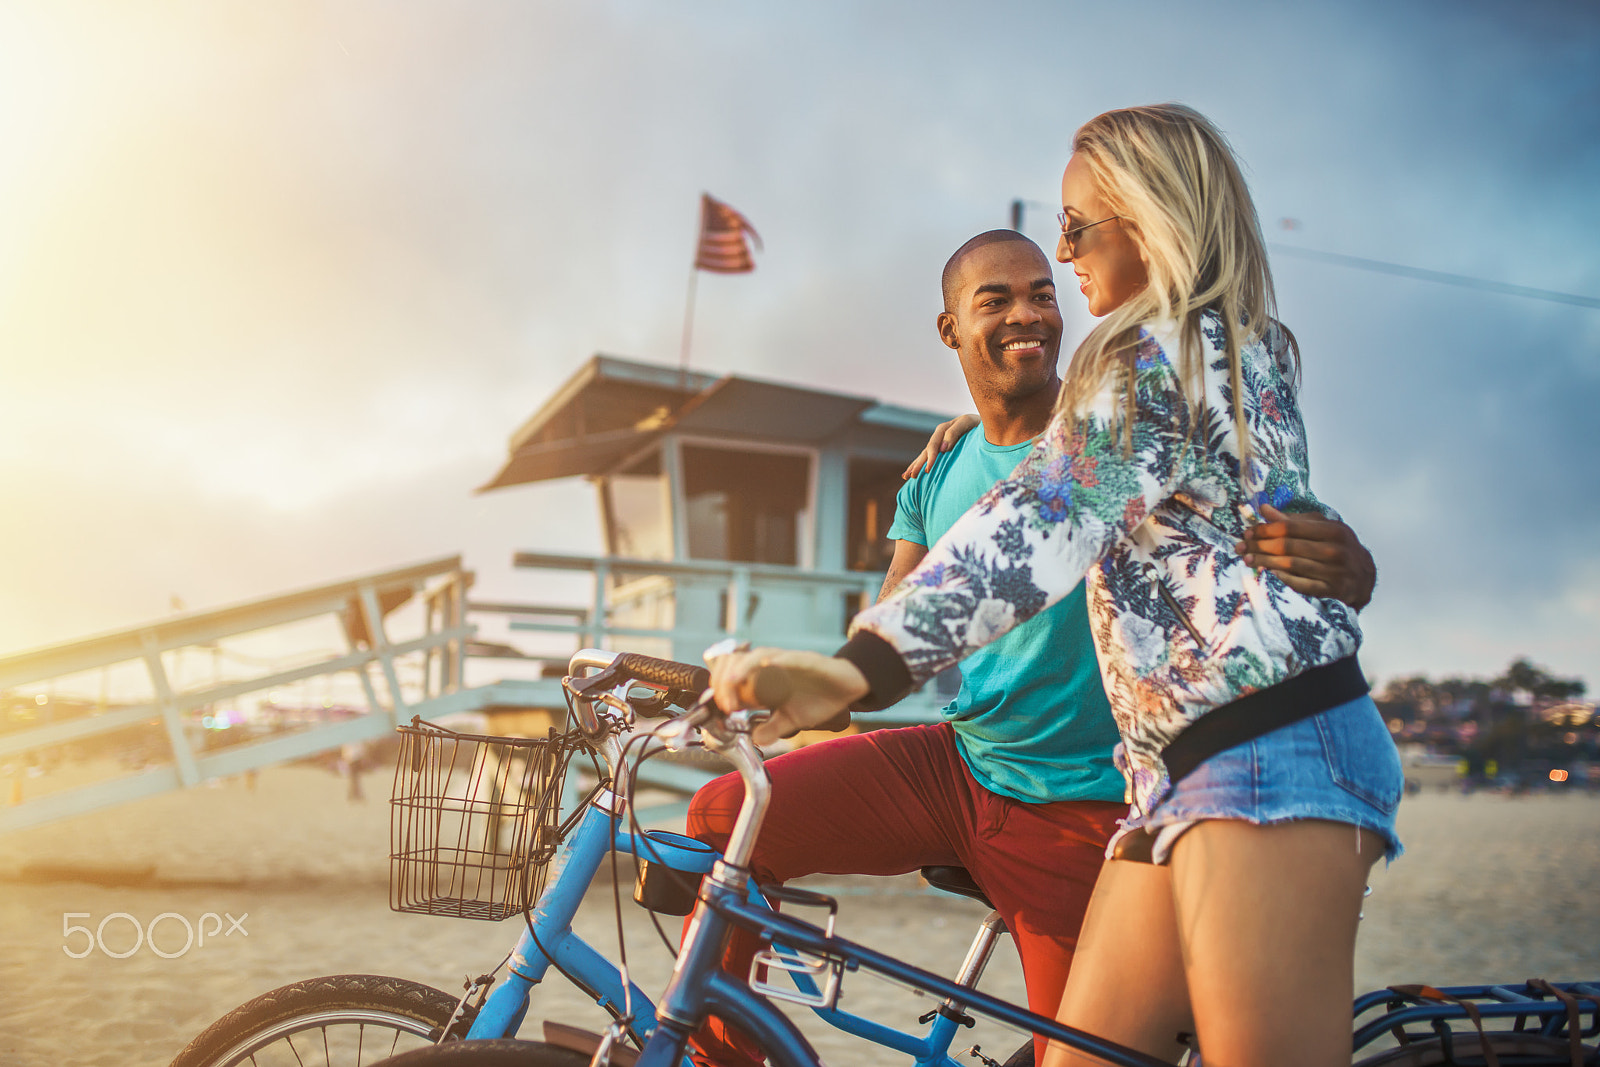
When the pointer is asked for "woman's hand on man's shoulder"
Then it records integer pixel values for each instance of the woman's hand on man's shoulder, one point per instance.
(944, 438)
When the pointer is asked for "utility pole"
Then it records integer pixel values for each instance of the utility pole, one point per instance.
(1016, 215)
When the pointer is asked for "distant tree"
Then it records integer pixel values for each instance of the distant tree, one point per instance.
(1523, 676)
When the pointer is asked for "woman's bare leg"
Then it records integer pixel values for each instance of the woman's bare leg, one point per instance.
(1267, 920)
(1127, 979)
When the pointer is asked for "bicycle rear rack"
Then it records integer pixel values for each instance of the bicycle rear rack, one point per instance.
(1527, 1008)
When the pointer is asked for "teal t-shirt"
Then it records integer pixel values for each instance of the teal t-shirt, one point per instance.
(1031, 719)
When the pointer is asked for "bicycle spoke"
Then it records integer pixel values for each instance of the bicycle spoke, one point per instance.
(337, 1042)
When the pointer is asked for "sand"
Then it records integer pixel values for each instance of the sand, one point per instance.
(1493, 887)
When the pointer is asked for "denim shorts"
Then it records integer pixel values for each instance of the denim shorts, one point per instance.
(1340, 765)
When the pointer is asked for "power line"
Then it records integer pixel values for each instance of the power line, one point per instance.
(1464, 281)
(1378, 266)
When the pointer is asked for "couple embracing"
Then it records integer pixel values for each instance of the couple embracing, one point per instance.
(1163, 766)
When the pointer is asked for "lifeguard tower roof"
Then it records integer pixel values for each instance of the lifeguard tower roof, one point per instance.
(613, 408)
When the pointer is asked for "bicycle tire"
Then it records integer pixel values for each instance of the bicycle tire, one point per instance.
(501, 1052)
(365, 1002)
(1023, 1057)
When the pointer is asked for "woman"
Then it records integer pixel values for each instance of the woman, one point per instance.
(1263, 781)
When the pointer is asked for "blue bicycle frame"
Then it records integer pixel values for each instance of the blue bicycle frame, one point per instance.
(699, 986)
(552, 941)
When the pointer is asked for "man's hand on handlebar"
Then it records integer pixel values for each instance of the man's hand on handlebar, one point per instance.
(820, 687)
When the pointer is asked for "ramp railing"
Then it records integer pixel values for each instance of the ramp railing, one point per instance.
(116, 742)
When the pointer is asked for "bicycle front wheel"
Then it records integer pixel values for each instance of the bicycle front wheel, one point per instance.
(342, 1019)
(502, 1052)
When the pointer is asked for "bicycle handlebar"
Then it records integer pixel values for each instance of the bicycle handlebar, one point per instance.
(771, 684)
(663, 672)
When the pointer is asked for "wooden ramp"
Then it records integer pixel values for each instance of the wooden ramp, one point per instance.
(104, 720)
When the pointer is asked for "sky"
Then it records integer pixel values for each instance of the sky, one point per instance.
(278, 281)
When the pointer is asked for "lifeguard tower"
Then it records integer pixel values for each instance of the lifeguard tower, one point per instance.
(729, 506)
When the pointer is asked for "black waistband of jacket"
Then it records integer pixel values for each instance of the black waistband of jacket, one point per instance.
(1308, 693)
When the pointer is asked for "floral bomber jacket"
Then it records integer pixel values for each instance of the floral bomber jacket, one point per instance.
(1181, 624)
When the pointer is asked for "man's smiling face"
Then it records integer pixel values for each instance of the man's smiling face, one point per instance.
(1003, 320)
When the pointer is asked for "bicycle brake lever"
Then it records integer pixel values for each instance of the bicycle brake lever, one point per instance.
(594, 683)
(677, 734)
(744, 721)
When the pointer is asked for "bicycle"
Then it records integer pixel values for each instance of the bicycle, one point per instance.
(1541, 1022)
(512, 789)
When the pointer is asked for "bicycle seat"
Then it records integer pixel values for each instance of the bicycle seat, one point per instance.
(955, 880)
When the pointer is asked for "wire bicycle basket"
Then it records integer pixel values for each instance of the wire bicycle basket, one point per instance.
(473, 821)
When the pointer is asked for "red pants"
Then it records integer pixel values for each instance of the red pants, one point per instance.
(891, 801)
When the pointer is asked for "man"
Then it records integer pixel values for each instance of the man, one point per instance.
(1017, 784)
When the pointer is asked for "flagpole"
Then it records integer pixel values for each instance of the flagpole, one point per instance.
(720, 247)
(688, 330)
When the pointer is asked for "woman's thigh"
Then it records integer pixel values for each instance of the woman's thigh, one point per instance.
(1266, 917)
(1127, 979)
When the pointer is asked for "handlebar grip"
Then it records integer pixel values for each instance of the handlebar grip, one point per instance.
(670, 673)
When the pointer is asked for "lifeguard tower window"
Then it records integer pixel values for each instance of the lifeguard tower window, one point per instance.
(745, 506)
(873, 485)
(639, 517)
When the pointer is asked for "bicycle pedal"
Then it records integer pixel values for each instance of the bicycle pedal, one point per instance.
(822, 973)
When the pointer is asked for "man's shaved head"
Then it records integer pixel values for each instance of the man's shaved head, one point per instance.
(951, 279)
(1001, 318)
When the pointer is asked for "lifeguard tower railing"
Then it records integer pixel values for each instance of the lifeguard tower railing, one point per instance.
(408, 648)
(758, 602)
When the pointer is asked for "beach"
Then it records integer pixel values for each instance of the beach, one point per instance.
(1492, 888)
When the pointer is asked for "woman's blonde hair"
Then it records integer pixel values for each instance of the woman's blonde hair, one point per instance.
(1172, 177)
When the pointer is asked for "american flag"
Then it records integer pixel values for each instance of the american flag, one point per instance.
(722, 244)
